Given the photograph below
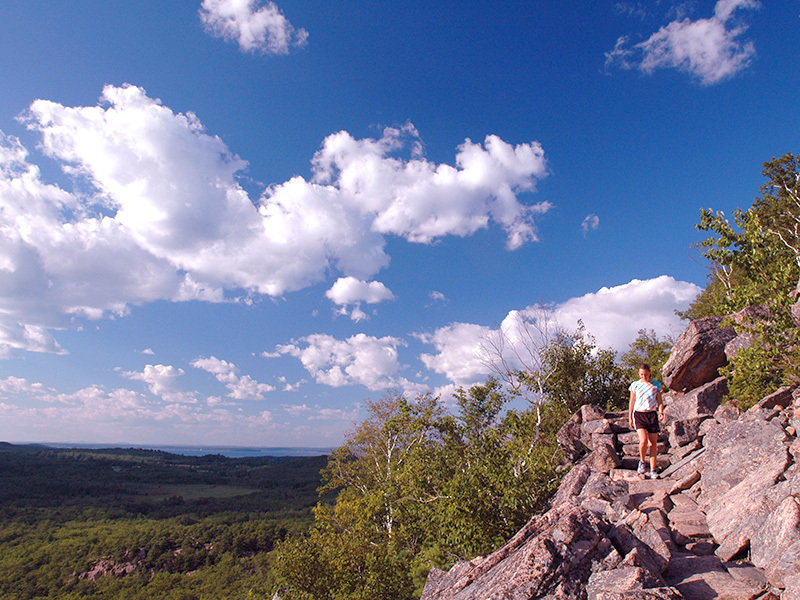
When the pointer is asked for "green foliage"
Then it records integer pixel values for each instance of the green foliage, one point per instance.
(64, 513)
(420, 488)
(582, 374)
(709, 302)
(649, 349)
(329, 565)
(756, 262)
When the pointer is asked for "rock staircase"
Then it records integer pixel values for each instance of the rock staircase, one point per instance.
(721, 523)
(692, 568)
(612, 534)
(670, 504)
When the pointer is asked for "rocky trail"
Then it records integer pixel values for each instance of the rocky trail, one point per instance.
(692, 568)
(722, 522)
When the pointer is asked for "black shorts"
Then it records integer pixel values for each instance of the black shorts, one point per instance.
(647, 421)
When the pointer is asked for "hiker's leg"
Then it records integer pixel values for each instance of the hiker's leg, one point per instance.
(642, 433)
(653, 439)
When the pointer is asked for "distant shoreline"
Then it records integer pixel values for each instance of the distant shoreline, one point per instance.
(187, 450)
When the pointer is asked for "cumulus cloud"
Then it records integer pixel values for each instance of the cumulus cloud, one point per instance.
(458, 352)
(16, 386)
(318, 413)
(122, 415)
(422, 201)
(710, 50)
(159, 213)
(351, 291)
(255, 27)
(358, 360)
(240, 387)
(161, 380)
(590, 223)
(612, 315)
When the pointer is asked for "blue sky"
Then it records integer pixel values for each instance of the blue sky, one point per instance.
(231, 222)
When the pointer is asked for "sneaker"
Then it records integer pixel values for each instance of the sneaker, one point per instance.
(642, 468)
(654, 474)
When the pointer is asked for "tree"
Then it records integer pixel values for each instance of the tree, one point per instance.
(581, 373)
(779, 204)
(647, 348)
(419, 488)
(515, 353)
(500, 475)
(375, 465)
(756, 262)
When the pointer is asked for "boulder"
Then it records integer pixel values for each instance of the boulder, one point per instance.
(733, 451)
(572, 485)
(741, 512)
(781, 398)
(705, 427)
(591, 412)
(678, 453)
(598, 439)
(623, 579)
(778, 540)
(552, 554)
(661, 593)
(698, 354)
(569, 438)
(792, 589)
(604, 458)
(685, 483)
(740, 342)
(684, 431)
(701, 401)
(726, 412)
(591, 428)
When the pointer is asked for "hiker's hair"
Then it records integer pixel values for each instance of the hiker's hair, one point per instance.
(644, 366)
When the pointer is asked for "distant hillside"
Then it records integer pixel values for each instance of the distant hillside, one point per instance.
(145, 524)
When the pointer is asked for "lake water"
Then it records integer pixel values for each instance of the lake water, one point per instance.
(229, 451)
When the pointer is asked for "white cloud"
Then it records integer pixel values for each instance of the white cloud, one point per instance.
(334, 414)
(709, 49)
(159, 214)
(15, 386)
(358, 360)
(318, 413)
(122, 416)
(287, 385)
(422, 201)
(351, 291)
(590, 223)
(295, 409)
(254, 27)
(437, 296)
(240, 387)
(613, 316)
(161, 381)
(459, 352)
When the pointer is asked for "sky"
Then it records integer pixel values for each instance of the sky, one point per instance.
(232, 222)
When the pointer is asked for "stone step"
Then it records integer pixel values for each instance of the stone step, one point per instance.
(686, 533)
(706, 578)
(686, 516)
(632, 462)
(684, 502)
(633, 449)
